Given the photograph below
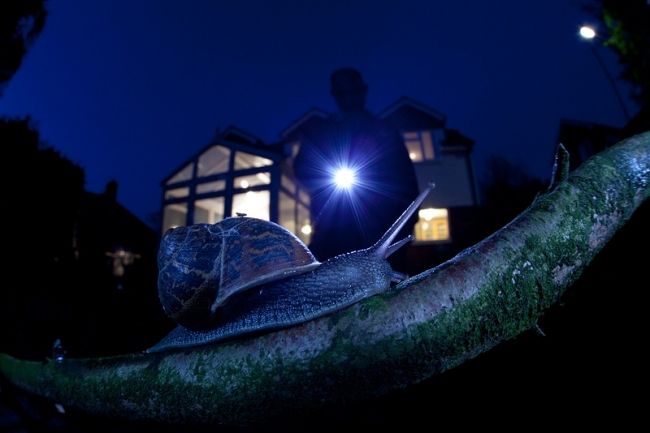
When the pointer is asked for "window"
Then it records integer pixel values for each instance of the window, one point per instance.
(215, 160)
(288, 184)
(304, 225)
(419, 145)
(215, 186)
(288, 212)
(177, 193)
(208, 211)
(252, 203)
(183, 175)
(174, 216)
(244, 182)
(247, 160)
(432, 225)
(304, 197)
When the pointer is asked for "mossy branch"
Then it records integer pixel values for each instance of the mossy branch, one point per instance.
(430, 323)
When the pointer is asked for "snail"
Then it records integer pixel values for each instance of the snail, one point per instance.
(244, 275)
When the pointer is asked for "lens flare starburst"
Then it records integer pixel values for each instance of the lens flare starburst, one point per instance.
(344, 177)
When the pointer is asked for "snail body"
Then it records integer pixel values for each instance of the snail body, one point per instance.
(290, 296)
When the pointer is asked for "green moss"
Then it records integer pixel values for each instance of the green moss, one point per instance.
(371, 306)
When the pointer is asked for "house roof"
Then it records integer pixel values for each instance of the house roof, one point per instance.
(237, 135)
(408, 114)
(454, 139)
(312, 116)
(238, 139)
(404, 114)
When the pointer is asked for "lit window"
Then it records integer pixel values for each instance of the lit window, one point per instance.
(304, 197)
(208, 211)
(432, 225)
(184, 174)
(288, 212)
(295, 148)
(215, 186)
(252, 203)
(177, 193)
(288, 184)
(304, 224)
(244, 182)
(247, 160)
(215, 160)
(419, 145)
(174, 215)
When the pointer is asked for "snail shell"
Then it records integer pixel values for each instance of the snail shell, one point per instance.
(202, 266)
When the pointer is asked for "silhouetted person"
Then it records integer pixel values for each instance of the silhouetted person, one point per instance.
(346, 220)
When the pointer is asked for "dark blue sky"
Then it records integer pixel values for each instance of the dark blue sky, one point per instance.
(131, 88)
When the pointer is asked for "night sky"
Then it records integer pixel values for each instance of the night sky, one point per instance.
(129, 89)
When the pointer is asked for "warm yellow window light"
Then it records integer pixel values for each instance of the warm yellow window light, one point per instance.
(432, 225)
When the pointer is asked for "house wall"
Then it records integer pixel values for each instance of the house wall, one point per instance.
(453, 181)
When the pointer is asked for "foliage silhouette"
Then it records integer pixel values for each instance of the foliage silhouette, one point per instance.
(21, 21)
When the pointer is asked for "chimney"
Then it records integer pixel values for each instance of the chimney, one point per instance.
(110, 191)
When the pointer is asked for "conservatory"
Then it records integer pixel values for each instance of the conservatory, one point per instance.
(236, 174)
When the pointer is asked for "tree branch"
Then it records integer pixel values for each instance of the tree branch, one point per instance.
(429, 324)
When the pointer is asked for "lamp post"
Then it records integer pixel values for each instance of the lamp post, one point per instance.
(588, 34)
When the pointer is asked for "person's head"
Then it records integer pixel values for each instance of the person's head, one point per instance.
(348, 89)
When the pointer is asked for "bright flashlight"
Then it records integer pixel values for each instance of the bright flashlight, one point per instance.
(344, 177)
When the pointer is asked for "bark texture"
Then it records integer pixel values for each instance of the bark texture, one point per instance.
(430, 323)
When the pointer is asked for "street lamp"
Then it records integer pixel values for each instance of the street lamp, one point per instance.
(588, 34)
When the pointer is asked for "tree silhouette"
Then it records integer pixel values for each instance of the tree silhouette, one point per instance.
(39, 207)
(628, 34)
(21, 21)
(628, 25)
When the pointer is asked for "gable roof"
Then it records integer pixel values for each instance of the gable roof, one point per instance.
(234, 138)
(238, 135)
(312, 116)
(408, 114)
(455, 140)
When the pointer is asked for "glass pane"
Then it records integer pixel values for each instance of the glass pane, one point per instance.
(288, 212)
(295, 148)
(252, 203)
(288, 184)
(208, 211)
(304, 224)
(427, 144)
(432, 225)
(174, 216)
(252, 180)
(213, 161)
(217, 185)
(247, 160)
(177, 192)
(415, 150)
(184, 174)
(304, 197)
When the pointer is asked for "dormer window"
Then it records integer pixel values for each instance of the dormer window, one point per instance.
(419, 145)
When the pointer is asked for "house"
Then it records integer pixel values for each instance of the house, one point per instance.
(439, 154)
(238, 173)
